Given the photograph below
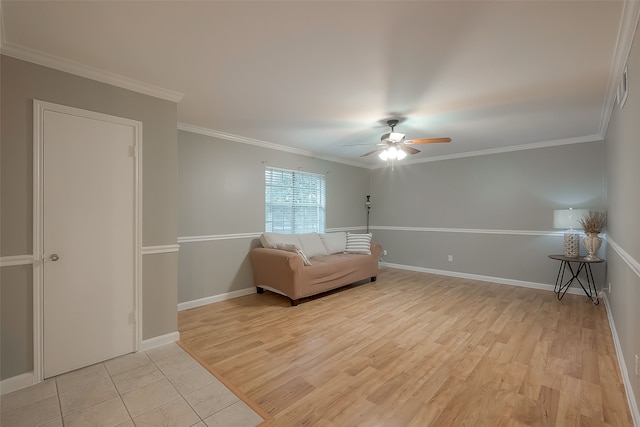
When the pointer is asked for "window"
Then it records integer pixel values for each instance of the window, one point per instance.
(294, 201)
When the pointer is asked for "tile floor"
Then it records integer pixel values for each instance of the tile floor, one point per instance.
(161, 387)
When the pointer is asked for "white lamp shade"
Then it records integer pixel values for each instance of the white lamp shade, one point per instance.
(392, 137)
(396, 136)
(568, 219)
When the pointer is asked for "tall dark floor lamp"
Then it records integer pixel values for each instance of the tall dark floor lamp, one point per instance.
(368, 205)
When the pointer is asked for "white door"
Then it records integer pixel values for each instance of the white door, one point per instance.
(88, 240)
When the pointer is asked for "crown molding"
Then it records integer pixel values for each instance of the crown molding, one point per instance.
(72, 67)
(264, 144)
(532, 146)
(626, 33)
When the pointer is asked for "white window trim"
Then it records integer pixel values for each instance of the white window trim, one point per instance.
(318, 226)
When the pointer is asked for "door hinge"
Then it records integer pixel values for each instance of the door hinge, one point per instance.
(133, 151)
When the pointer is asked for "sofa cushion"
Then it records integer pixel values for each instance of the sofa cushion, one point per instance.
(358, 244)
(293, 248)
(312, 245)
(271, 240)
(334, 242)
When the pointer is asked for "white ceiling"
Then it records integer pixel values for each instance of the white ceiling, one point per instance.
(315, 76)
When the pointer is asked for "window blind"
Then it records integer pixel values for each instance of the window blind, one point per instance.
(294, 201)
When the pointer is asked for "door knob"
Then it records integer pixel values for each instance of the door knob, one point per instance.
(54, 257)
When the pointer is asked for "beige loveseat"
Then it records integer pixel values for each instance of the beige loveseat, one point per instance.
(279, 265)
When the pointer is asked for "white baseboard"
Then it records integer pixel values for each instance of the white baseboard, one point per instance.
(500, 280)
(633, 407)
(159, 341)
(16, 383)
(25, 380)
(215, 298)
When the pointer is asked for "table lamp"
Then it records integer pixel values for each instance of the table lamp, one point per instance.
(569, 220)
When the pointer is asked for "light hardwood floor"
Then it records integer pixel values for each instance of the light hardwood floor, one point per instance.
(415, 349)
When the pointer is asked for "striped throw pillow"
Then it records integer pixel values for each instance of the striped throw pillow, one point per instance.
(293, 248)
(358, 244)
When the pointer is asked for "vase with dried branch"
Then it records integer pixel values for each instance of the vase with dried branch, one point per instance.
(593, 224)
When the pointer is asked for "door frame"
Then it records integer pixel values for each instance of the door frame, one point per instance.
(39, 107)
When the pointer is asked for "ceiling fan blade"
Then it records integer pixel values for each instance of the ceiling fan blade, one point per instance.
(373, 151)
(409, 150)
(427, 140)
(360, 145)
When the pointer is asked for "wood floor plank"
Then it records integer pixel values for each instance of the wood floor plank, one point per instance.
(416, 349)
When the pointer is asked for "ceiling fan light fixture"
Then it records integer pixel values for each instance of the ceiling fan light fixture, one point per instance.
(392, 153)
(395, 147)
(393, 137)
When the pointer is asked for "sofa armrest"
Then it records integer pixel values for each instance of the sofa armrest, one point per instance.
(376, 248)
(276, 268)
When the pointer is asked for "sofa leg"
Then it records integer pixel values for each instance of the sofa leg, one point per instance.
(260, 290)
(294, 302)
(374, 278)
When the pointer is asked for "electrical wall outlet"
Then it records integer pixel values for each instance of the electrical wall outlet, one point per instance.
(609, 287)
(384, 252)
(450, 258)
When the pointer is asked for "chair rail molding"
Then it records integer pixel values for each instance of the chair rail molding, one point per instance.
(253, 235)
(354, 228)
(163, 249)
(468, 230)
(626, 257)
(211, 237)
(11, 260)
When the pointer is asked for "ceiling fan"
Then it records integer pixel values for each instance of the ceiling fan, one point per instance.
(394, 146)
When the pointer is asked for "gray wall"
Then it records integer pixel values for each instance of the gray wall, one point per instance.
(21, 82)
(623, 254)
(221, 193)
(510, 197)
